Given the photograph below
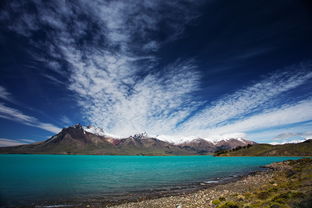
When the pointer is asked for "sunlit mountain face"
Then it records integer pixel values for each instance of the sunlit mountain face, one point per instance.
(177, 70)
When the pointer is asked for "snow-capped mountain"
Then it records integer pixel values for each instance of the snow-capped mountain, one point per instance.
(94, 130)
(98, 131)
(205, 146)
(78, 139)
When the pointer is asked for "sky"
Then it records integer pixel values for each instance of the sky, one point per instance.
(173, 69)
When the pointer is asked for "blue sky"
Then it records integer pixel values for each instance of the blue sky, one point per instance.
(210, 69)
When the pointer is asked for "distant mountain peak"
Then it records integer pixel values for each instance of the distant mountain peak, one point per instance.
(198, 140)
(140, 135)
(94, 130)
(76, 126)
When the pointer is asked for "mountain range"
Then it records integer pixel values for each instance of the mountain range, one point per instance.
(79, 139)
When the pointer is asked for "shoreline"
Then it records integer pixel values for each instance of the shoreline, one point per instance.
(280, 185)
(199, 194)
(121, 200)
(202, 186)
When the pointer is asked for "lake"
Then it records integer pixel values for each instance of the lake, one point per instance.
(53, 179)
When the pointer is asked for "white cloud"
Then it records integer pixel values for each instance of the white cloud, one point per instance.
(299, 112)
(10, 142)
(113, 74)
(288, 141)
(105, 78)
(27, 140)
(248, 100)
(110, 91)
(16, 115)
(66, 120)
(47, 126)
(4, 142)
(54, 80)
(126, 106)
(5, 95)
(293, 134)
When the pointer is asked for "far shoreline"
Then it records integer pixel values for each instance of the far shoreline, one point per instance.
(299, 156)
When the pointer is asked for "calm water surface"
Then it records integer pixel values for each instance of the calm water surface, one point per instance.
(29, 178)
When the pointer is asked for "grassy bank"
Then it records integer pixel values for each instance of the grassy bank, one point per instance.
(286, 184)
(299, 149)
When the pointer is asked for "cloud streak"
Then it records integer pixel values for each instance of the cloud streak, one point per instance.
(5, 95)
(113, 73)
(292, 134)
(272, 118)
(13, 142)
(250, 99)
(109, 49)
(10, 142)
(16, 115)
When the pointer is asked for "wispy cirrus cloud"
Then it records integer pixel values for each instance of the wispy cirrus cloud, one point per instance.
(287, 135)
(27, 140)
(109, 48)
(4, 142)
(288, 114)
(288, 141)
(112, 71)
(125, 104)
(291, 137)
(5, 95)
(66, 120)
(10, 142)
(256, 102)
(251, 99)
(16, 115)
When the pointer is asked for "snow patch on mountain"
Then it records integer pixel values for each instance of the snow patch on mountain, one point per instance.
(174, 139)
(98, 131)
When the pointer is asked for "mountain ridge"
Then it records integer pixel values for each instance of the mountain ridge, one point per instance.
(290, 149)
(78, 139)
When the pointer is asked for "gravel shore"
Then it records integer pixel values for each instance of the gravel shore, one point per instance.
(279, 186)
(204, 198)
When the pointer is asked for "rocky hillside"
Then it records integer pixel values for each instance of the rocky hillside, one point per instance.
(299, 149)
(89, 140)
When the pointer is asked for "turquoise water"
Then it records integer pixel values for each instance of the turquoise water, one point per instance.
(32, 178)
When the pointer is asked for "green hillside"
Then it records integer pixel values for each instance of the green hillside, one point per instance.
(300, 149)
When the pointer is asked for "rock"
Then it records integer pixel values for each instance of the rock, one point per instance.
(240, 197)
(179, 206)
